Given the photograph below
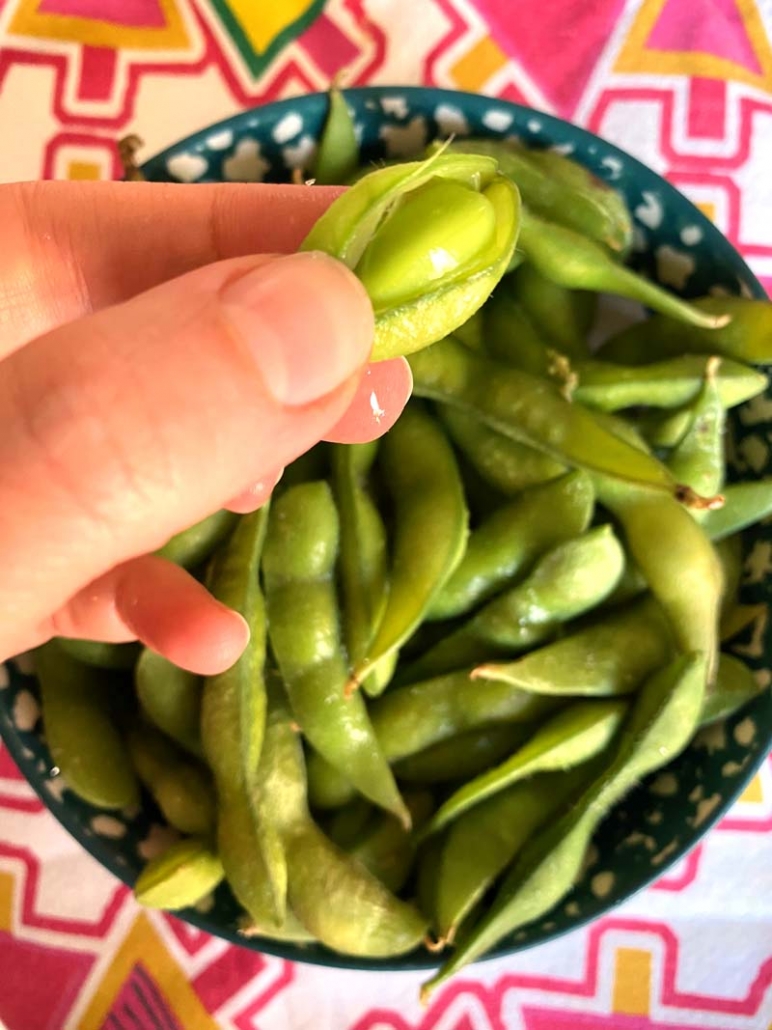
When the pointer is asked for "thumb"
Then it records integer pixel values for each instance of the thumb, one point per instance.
(120, 428)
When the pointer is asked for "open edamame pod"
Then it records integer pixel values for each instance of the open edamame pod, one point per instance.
(578, 263)
(747, 337)
(512, 538)
(662, 720)
(560, 189)
(301, 552)
(578, 733)
(82, 736)
(430, 532)
(429, 241)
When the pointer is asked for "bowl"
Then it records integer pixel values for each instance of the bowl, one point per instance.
(666, 816)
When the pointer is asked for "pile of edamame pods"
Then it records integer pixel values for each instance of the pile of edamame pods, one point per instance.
(470, 639)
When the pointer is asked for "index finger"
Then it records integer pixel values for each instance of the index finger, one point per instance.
(71, 248)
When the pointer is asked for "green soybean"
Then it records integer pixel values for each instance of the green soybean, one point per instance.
(458, 758)
(193, 546)
(99, 654)
(744, 504)
(170, 698)
(735, 685)
(338, 153)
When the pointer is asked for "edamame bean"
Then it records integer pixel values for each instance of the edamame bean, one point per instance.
(301, 551)
(184, 874)
(170, 697)
(485, 839)
(580, 732)
(429, 240)
(698, 460)
(609, 657)
(512, 538)
(81, 734)
(570, 579)
(423, 477)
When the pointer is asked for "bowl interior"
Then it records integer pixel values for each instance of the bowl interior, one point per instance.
(675, 244)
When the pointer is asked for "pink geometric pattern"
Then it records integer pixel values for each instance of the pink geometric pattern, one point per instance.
(684, 84)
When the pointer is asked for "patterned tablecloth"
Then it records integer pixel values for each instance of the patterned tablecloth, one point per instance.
(685, 85)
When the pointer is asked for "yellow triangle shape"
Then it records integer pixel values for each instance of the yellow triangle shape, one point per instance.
(636, 57)
(262, 23)
(143, 944)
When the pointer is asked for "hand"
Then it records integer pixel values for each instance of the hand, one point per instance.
(159, 361)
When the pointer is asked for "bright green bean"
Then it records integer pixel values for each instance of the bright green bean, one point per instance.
(429, 240)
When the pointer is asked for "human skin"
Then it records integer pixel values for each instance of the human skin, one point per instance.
(164, 352)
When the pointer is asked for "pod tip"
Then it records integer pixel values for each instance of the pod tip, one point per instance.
(691, 499)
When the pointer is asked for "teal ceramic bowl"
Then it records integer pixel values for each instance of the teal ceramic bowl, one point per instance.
(658, 823)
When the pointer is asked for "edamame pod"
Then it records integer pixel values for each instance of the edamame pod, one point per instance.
(82, 737)
(170, 698)
(458, 758)
(422, 475)
(735, 685)
(572, 578)
(193, 546)
(301, 551)
(666, 384)
(338, 153)
(233, 726)
(563, 316)
(578, 263)
(505, 464)
(744, 504)
(99, 654)
(385, 849)
(560, 189)
(181, 787)
(532, 411)
(428, 239)
(661, 723)
(747, 337)
(512, 538)
(698, 460)
(185, 873)
(607, 658)
(578, 733)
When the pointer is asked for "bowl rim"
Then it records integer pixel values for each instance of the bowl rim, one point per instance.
(321, 956)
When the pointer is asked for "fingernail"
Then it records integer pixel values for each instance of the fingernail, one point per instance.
(306, 319)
